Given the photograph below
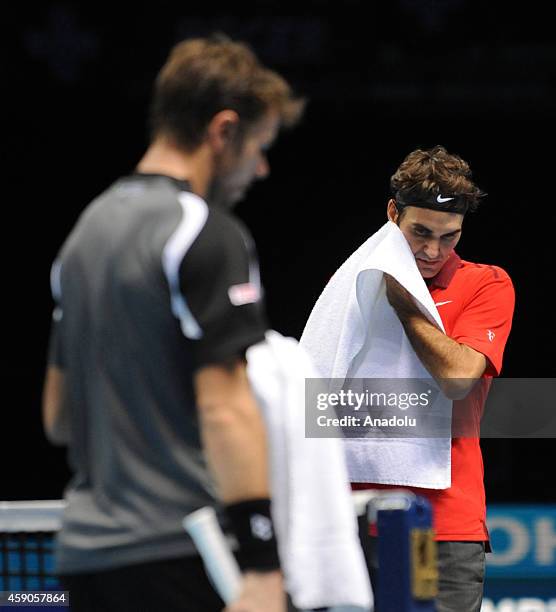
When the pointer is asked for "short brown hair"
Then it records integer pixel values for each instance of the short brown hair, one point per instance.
(204, 76)
(427, 173)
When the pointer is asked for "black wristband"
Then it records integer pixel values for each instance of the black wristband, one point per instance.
(251, 523)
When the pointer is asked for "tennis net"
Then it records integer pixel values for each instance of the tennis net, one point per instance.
(27, 531)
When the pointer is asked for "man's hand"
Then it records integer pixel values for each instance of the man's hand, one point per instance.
(400, 299)
(261, 592)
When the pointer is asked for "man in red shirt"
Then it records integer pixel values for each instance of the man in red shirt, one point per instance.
(432, 191)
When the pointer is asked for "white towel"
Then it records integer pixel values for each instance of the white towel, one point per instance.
(353, 332)
(312, 509)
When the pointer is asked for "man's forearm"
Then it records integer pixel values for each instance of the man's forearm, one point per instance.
(235, 448)
(438, 353)
(454, 366)
(234, 438)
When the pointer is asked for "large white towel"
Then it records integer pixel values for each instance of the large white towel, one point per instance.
(312, 509)
(353, 332)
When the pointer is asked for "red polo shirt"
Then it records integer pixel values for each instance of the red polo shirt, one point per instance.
(476, 304)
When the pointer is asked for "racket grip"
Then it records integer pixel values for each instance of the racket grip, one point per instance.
(221, 565)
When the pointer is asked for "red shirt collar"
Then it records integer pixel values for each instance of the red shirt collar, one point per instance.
(443, 278)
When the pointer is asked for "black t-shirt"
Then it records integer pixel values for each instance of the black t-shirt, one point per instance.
(151, 285)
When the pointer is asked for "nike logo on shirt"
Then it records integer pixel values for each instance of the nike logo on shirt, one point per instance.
(442, 303)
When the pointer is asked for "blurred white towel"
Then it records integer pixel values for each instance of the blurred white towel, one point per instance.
(312, 509)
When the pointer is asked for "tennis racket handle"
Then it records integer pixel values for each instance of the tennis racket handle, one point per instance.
(221, 565)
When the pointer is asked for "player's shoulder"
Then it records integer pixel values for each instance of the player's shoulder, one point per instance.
(478, 274)
(222, 242)
(476, 270)
(226, 222)
(224, 230)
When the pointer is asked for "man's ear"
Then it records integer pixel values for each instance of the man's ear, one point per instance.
(392, 211)
(222, 129)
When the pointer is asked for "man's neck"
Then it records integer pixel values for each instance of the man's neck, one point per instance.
(162, 157)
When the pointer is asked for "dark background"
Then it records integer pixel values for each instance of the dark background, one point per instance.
(477, 77)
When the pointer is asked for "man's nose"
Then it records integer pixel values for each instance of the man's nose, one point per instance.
(432, 249)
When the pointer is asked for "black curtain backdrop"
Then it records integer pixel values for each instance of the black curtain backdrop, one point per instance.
(475, 77)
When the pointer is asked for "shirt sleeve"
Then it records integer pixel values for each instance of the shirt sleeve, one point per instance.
(220, 284)
(486, 320)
